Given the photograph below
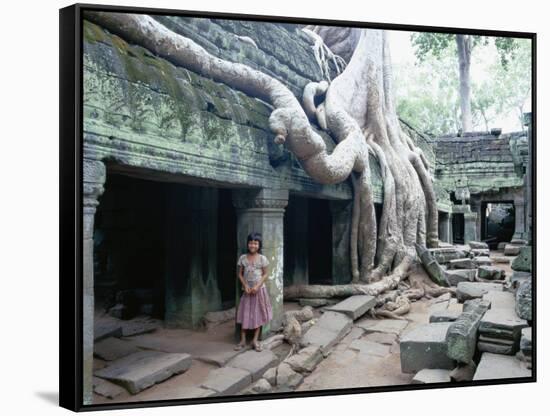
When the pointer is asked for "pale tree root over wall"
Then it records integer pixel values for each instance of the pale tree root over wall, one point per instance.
(359, 114)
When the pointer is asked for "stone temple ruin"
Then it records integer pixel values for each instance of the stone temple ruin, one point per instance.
(178, 169)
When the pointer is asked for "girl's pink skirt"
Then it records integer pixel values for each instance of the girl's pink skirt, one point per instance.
(254, 309)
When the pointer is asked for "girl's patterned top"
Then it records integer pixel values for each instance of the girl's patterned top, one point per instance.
(252, 269)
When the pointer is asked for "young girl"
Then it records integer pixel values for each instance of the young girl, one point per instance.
(254, 306)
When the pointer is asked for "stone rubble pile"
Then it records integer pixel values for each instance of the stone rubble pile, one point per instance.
(490, 337)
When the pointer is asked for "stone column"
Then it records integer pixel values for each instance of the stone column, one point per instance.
(191, 287)
(444, 227)
(262, 210)
(519, 207)
(451, 231)
(341, 218)
(94, 176)
(470, 227)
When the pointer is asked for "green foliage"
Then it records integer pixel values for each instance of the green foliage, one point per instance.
(427, 93)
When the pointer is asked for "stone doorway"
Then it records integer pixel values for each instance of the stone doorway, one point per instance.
(497, 222)
(164, 249)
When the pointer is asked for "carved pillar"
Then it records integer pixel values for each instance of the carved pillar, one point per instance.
(191, 287)
(341, 267)
(444, 227)
(262, 210)
(94, 175)
(528, 180)
(520, 230)
(470, 227)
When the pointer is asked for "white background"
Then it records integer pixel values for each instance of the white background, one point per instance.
(29, 208)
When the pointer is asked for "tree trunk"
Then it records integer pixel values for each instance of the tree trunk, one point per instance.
(359, 113)
(464, 47)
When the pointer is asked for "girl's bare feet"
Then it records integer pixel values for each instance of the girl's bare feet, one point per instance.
(257, 346)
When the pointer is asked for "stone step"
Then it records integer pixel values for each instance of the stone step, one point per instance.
(354, 306)
(328, 331)
(256, 363)
(495, 366)
(227, 380)
(142, 369)
(425, 347)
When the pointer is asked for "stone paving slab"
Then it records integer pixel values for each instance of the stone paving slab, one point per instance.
(370, 348)
(335, 321)
(227, 380)
(425, 347)
(354, 306)
(472, 290)
(381, 338)
(256, 363)
(322, 337)
(110, 349)
(194, 392)
(218, 353)
(390, 326)
(500, 299)
(495, 366)
(142, 369)
(432, 375)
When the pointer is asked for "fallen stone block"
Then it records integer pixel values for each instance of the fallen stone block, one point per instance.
(495, 348)
(445, 255)
(501, 245)
(107, 327)
(354, 306)
(518, 277)
(472, 290)
(524, 300)
(466, 263)
(518, 242)
(502, 323)
(256, 363)
(478, 244)
(389, 326)
(227, 380)
(495, 366)
(501, 259)
(480, 252)
(511, 250)
(490, 273)
(454, 277)
(483, 261)
(522, 262)
(445, 316)
(306, 359)
(432, 375)
(461, 337)
(525, 343)
(425, 347)
(430, 264)
(142, 369)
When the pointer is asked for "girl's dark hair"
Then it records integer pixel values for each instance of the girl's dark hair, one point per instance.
(254, 236)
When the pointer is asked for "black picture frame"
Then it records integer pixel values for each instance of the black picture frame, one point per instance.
(71, 204)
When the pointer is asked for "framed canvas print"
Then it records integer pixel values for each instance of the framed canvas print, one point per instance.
(258, 207)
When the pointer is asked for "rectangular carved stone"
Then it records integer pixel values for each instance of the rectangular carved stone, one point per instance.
(425, 347)
(461, 337)
(354, 306)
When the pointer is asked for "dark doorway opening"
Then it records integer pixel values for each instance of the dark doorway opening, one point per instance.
(319, 241)
(497, 222)
(458, 228)
(139, 244)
